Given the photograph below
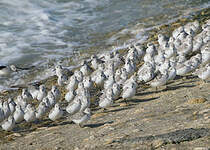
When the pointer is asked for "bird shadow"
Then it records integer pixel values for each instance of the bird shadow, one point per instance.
(119, 109)
(96, 125)
(142, 100)
(171, 88)
(49, 123)
(168, 88)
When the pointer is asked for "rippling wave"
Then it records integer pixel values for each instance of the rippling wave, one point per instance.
(33, 31)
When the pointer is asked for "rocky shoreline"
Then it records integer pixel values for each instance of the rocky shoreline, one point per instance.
(174, 118)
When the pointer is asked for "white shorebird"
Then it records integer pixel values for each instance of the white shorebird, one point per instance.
(56, 113)
(148, 57)
(160, 79)
(7, 70)
(140, 50)
(130, 69)
(130, 81)
(95, 61)
(47, 102)
(30, 114)
(22, 102)
(109, 82)
(9, 124)
(41, 110)
(108, 56)
(100, 78)
(205, 55)
(129, 92)
(177, 31)
(86, 69)
(85, 101)
(203, 73)
(132, 55)
(182, 69)
(118, 74)
(42, 93)
(18, 114)
(123, 76)
(59, 70)
(56, 92)
(70, 96)
(162, 41)
(34, 90)
(62, 80)
(87, 82)
(79, 76)
(116, 91)
(146, 73)
(51, 98)
(170, 51)
(151, 49)
(72, 83)
(171, 73)
(12, 105)
(197, 44)
(106, 101)
(118, 60)
(82, 117)
(186, 47)
(26, 95)
(1, 114)
(159, 59)
(74, 107)
(80, 88)
(6, 109)
(109, 69)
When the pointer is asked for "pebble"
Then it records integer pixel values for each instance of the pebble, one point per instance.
(158, 143)
(196, 101)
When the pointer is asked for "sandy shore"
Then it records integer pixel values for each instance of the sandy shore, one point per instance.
(177, 117)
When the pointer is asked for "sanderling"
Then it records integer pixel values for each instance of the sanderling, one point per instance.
(203, 73)
(87, 82)
(159, 80)
(56, 92)
(9, 124)
(129, 92)
(41, 110)
(107, 100)
(30, 114)
(18, 114)
(12, 105)
(56, 113)
(70, 96)
(74, 107)
(72, 83)
(42, 93)
(51, 98)
(82, 117)
(7, 70)
(6, 109)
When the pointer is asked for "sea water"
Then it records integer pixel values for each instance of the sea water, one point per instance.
(42, 32)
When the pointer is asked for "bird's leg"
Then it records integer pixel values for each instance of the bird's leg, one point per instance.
(204, 81)
(104, 109)
(166, 87)
(126, 101)
(81, 125)
(94, 84)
